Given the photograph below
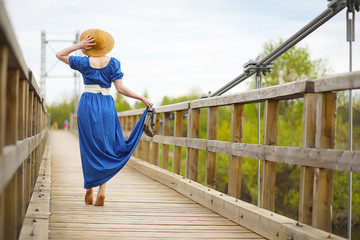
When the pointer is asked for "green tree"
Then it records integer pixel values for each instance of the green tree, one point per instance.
(121, 104)
(60, 111)
(139, 104)
(293, 65)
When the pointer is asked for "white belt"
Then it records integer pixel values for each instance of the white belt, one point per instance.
(97, 89)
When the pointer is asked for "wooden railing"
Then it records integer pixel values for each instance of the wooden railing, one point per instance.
(23, 123)
(317, 157)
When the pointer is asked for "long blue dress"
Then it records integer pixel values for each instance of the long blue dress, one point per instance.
(104, 151)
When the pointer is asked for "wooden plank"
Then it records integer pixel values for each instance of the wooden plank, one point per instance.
(343, 160)
(284, 91)
(155, 146)
(262, 221)
(14, 155)
(338, 82)
(19, 199)
(22, 109)
(2, 215)
(212, 129)
(138, 151)
(307, 173)
(237, 123)
(268, 171)
(27, 190)
(10, 210)
(12, 107)
(33, 85)
(323, 180)
(192, 154)
(136, 206)
(146, 151)
(178, 133)
(161, 109)
(165, 147)
(30, 113)
(36, 221)
(3, 82)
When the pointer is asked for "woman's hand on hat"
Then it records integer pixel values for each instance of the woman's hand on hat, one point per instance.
(87, 43)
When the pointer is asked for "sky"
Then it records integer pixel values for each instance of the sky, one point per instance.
(173, 47)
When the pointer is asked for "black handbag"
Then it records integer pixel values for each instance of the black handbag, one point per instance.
(149, 124)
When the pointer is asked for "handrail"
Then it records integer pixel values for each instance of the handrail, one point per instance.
(317, 151)
(23, 123)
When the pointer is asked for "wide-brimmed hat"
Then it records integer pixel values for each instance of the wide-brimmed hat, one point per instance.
(104, 42)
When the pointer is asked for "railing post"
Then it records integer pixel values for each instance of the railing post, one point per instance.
(10, 210)
(155, 145)
(237, 122)
(268, 172)
(19, 198)
(3, 82)
(177, 149)
(138, 151)
(323, 180)
(307, 173)
(212, 129)
(12, 107)
(146, 151)
(192, 154)
(30, 133)
(165, 147)
(22, 109)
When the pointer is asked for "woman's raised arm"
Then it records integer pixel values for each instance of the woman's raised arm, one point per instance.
(86, 43)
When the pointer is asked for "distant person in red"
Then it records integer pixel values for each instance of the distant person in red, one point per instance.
(66, 124)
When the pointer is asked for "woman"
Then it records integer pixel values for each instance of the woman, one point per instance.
(104, 151)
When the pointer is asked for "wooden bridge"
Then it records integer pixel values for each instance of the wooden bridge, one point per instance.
(41, 179)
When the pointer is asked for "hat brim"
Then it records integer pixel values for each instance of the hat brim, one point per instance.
(93, 52)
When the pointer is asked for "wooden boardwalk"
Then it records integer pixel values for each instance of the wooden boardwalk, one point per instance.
(136, 206)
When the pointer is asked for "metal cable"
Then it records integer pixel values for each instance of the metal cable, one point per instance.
(331, 11)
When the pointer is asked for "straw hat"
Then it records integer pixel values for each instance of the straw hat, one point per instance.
(104, 42)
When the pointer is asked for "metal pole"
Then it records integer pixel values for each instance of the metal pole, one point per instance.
(350, 24)
(258, 86)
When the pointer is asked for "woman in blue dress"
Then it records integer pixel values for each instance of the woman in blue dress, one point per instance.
(104, 151)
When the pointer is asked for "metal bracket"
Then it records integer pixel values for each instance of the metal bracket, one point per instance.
(252, 66)
(337, 4)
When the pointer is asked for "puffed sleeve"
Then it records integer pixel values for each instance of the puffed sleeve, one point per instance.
(77, 63)
(116, 72)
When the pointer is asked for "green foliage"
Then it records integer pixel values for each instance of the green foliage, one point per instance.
(121, 104)
(295, 64)
(139, 104)
(60, 112)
